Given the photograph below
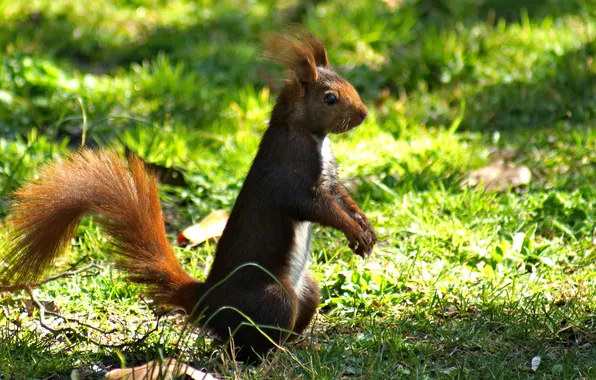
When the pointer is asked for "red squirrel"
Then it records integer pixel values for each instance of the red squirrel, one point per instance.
(291, 184)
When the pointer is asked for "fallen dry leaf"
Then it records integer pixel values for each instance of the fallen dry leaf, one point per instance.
(169, 369)
(499, 176)
(307, 344)
(394, 4)
(210, 227)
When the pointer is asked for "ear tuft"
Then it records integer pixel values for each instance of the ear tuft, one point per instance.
(297, 49)
(306, 72)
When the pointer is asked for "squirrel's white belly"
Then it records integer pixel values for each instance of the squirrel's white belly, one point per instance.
(328, 169)
(299, 254)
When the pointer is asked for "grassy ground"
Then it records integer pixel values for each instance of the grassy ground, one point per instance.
(463, 284)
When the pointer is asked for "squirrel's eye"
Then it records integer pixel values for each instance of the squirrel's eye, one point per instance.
(330, 99)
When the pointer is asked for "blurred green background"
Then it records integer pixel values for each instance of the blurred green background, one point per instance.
(516, 64)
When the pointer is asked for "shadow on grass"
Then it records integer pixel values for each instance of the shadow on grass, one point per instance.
(214, 44)
(469, 335)
(217, 44)
(220, 58)
(544, 122)
(566, 91)
(29, 355)
(222, 50)
(472, 339)
(184, 73)
(445, 12)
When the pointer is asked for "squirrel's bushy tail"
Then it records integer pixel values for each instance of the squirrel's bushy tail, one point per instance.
(124, 195)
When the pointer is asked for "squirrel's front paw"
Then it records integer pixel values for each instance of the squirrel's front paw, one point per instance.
(362, 242)
(366, 227)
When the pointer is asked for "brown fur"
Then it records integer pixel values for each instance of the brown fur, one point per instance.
(296, 49)
(291, 182)
(48, 210)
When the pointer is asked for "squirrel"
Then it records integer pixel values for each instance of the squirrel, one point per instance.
(292, 183)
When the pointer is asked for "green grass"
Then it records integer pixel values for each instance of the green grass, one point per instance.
(463, 284)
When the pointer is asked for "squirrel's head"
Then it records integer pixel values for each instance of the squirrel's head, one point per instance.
(314, 97)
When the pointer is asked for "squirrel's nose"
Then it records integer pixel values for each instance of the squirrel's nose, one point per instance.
(363, 114)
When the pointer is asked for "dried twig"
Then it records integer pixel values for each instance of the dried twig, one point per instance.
(74, 320)
(77, 334)
(68, 273)
(70, 330)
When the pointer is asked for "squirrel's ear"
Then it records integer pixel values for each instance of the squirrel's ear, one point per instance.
(298, 50)
(310, 44)
(306, 72)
